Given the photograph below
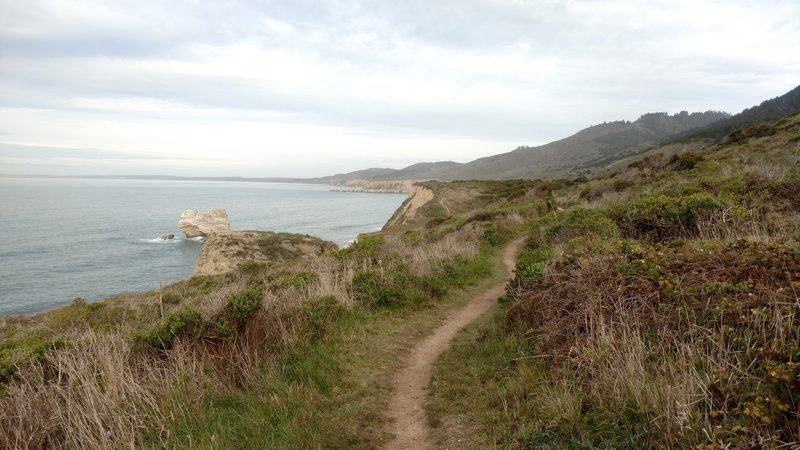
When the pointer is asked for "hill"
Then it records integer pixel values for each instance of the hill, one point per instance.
(654, 307)
(596, 146)
(657, 309)
(768, 111)
(591, 147)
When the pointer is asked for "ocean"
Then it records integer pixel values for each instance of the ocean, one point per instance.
(66, 238)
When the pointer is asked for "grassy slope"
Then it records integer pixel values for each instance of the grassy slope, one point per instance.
(661, 309)
(285, 355)
(298, 354)
(331, 393)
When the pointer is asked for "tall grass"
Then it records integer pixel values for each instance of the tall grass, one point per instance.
(132, 385)
(682, 330)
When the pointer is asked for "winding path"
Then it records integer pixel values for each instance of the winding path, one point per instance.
(407, 407)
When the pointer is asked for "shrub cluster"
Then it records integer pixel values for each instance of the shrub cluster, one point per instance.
(661, 217)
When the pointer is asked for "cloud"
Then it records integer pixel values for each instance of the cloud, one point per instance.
(359, 78)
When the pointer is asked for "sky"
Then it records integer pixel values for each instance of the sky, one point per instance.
(307, 88)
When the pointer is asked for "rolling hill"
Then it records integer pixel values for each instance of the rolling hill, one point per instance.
(595, 146)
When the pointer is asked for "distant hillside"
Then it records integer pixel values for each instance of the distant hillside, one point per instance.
(378, 173)
(422, 171)
(768, 111)
(590, 147)
(593, 146)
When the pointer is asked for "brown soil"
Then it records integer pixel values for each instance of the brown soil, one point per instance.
(407, 408)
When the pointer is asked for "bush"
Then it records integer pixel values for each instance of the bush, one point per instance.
(463, 272)
(321, 314)
(364, 247)
(245, 303)
(490, 235)
(253, 267)
(371, 288)
(168, 328)
(686, 160)
(662, 218)
(531, 264)
(16, 352)
(299, 280)
(575, 223)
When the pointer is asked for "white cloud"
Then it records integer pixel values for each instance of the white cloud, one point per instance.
(309, 88)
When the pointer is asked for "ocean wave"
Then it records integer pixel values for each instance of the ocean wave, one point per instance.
(161, 240)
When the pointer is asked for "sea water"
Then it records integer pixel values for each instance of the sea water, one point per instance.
(66, 238)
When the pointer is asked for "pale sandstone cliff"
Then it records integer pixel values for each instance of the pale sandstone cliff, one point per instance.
(391, 186)
(195, 223)
(223, 252)
(435, 200)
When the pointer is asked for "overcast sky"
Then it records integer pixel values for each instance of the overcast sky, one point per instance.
(307, 88)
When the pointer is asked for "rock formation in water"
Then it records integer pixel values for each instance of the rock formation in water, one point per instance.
(223, 252)
(198, 223)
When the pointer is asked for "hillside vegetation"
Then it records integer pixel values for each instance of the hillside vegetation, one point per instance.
(766, 112)
(297, 353)
(658, 308)
(591, 147)
(653, 307)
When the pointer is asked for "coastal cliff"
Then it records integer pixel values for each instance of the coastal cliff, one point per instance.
(652, 307)
(381, 187)
(225, 251)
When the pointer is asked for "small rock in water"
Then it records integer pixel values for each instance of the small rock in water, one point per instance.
(168, 237)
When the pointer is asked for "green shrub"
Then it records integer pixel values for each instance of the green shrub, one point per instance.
(206, 283)
(253, 267)
(660, 217)
(686, 160)
(245, 303)
(372, 288)
(620, 185)
(169, 327)
(575, 223)
(321, 314)
(463, 272)
(490, 235)
(30, 349)
(170, 298)
(531, 264)
(364, 247)
(299, 280)
(7, 369)
(434, 285)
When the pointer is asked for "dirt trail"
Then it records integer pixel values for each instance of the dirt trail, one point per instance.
(407, 407)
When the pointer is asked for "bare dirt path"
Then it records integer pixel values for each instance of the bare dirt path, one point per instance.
(407, 407)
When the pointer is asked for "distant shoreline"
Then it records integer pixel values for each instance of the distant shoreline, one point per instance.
(167, 178)
(360, 186)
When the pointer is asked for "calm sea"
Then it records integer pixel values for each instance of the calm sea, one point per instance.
(67, 238)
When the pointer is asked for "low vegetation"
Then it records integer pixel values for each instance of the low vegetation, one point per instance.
(290, 354)
(662, 314)
(656, 306)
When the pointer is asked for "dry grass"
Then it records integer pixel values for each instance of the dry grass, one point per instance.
(104, 389)
(89, 395)
(425, 259)
(653, 333)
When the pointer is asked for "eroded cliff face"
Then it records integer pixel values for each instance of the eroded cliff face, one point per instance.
(431, 200)
(418, 196)
(390, 186)
(223, 252)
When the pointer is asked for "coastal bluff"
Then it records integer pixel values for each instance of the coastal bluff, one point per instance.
(225, 251)
(195, 223)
